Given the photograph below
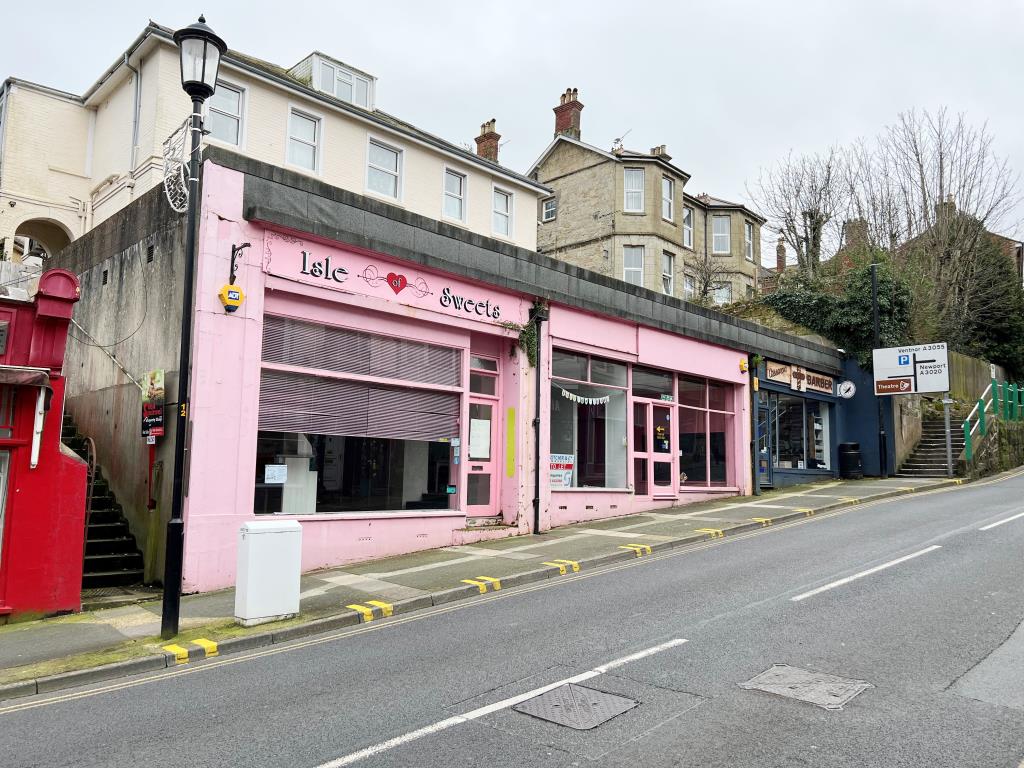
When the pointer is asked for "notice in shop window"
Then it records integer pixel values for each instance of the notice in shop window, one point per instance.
(560, 470)
(479, 439)
(275, 474)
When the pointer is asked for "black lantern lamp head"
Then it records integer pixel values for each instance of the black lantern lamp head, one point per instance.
(200, 50)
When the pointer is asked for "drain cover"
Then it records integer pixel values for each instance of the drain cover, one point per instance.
(818, 688)
(575, 706)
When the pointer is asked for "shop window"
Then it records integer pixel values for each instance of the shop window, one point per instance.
(648, 382)
(483, 378)
(693, 447)
(692, 392)
(588, 423)
(720, 443)
(569, 365)
(789, 432)
(719, 396)
(305, 473)
(818, 452)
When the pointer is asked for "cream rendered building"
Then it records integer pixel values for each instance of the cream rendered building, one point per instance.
(67, 162)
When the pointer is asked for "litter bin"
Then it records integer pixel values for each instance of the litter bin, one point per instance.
(850, 465)
(269, 568)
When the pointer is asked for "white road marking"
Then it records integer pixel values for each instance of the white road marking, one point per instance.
(862, 574)
(993, 525)
(475, 714)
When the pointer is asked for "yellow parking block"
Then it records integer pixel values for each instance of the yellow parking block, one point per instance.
(366, 613)
(573, 563)
(180, 653)
(495, 583)
(714, 533)
(806, 510)
(764, 521)
(480, 585)
(638, 549)
(385, 608)
(850, 499)
(209, 647)
(562, 568)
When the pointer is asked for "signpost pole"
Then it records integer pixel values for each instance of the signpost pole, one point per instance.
(883, 458)
(946, 401)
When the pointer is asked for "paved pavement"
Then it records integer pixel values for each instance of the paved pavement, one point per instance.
(921, 597)
(134, 628)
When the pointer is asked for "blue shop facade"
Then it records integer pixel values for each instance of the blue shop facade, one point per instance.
(802, 417)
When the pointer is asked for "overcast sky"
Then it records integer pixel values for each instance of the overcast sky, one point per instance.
(729, 87)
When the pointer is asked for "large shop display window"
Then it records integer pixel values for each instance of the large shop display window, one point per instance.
(799, 431)
(588, 422)
(363, 425)
(683, 428)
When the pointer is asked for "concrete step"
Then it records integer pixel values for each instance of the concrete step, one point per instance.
(114, 530)
(111, 579)
(905, 472)
(114, 561)
(110, 546)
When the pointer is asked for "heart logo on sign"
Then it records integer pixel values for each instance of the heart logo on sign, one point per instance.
(397, 282)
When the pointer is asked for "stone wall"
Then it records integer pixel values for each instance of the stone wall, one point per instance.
(1001, 450)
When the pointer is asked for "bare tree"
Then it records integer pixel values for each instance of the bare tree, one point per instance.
(708, 272)
(940, 187)
(805, 197)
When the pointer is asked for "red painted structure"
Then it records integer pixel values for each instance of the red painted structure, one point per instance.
(42, 483)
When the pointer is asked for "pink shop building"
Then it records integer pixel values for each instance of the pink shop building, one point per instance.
(376, 383)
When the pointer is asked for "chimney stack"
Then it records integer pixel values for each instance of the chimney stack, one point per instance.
(855, 234)
(659, 151)
(487, 142)
(780, 256)
(567, 114)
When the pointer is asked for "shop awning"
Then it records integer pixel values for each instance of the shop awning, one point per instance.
(20, 375)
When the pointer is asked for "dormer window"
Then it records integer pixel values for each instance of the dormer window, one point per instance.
(346, 85)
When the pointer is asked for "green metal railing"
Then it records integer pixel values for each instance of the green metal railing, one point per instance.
(998, 401)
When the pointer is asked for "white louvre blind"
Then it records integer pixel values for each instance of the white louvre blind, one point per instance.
(295, 402)
(295, 342)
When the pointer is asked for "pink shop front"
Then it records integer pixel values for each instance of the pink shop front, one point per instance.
(387, 407)
(639, 419)
(374, 401)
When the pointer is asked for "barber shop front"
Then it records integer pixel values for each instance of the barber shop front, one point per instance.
(796, 427)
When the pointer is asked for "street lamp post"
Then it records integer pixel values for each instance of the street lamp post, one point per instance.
(200, 49)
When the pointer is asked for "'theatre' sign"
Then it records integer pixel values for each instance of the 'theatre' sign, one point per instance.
(909, 370)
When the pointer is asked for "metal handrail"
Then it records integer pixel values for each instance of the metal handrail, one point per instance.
(90, 460)
(981, 397)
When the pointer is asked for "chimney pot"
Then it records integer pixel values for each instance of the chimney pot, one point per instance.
(567, 114)
(780, 256)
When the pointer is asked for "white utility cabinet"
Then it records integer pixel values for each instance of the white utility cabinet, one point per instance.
(269, 568)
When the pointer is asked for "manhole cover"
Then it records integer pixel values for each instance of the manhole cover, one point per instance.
(818, 688)
(575, 706)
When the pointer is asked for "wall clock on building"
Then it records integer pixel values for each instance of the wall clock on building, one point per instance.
(846, 389)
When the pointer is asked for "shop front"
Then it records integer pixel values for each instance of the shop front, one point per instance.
(796, 426)
(376, 402)
(640, 419)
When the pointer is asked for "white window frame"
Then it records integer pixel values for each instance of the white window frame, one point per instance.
(668, 286)
(353, 77)
(242, 103)
(495, 189)
(689, 287)
(318, 144)
(724, 285)
(627, 270)
(626, 191)
(544, 209)
(670, 200)
(399, 185)
(748, 240)
(715, 236)
(688, 212)
(445, 194)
